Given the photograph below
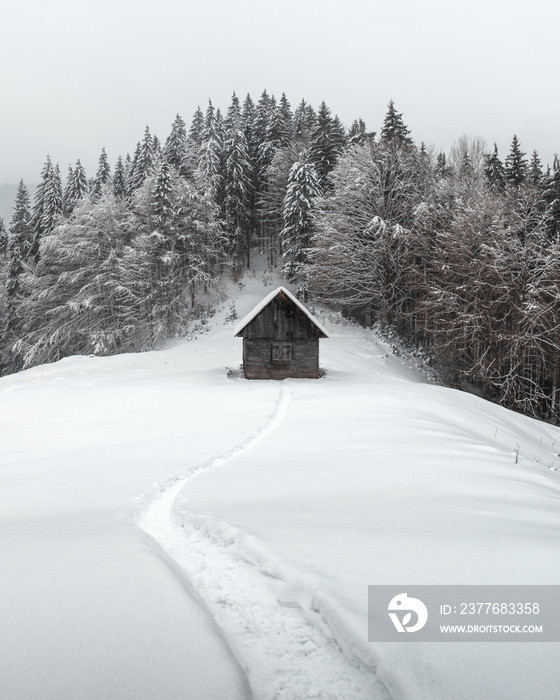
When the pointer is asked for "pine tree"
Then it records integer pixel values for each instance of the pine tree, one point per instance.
(76, 188)
(442, 169)
(295, 237)
(394, 130)
(75, 303)
(516, 165)
(3, 240)
(551, 199)
(494, 171)
(103, 175)
(192, 146)
(535, 172)
(20, 245)
(175, 148)
(157, 149)
(238, 192)
(48, 205)
(162, 196)
(143, 162)
(286, 121)
(209, 173)
(305, 121)
(327, 144)
(358, 133)
(119, 180)
(68, 192)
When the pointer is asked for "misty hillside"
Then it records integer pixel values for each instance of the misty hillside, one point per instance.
(458, 253)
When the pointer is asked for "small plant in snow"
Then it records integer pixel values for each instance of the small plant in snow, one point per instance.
(232, 315)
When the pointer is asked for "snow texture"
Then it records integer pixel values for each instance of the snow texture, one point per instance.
(265, 510)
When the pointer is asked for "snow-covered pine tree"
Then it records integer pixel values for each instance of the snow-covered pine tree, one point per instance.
(515, 165)
(157, 149)
(48, 206)
(358, 133)
(305, 121)
(76, 302)
(551, 197)
(20, 243)
(119, 180)
(143, 162)
(286, 122)
(209, 172)
(295, 237)
(173, 253)
(237, 187)
(494, 171)
(441, 169)
(326, 144)
(394, 131)
(77, 187)
(535, 173)
(3, 240)
(103, 174)
(162, 196)
(175, 148)
(193, 143)
(67, 193)
(20, 239)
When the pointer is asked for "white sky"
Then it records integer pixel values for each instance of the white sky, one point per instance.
(80, 75)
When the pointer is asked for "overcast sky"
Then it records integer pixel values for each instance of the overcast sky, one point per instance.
(79, 75)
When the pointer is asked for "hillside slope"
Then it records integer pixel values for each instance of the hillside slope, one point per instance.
(271, 505)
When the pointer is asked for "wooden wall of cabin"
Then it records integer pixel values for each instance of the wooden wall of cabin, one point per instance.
(265, 358)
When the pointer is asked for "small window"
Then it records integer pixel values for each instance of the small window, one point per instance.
(281, 351)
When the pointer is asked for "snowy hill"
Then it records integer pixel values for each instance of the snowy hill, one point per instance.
(170, 530)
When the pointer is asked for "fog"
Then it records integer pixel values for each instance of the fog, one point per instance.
(88, 75)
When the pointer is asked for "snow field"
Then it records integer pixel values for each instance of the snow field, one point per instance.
(273, 506)
(288, 652)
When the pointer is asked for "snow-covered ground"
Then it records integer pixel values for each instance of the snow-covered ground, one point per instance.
(171, 530)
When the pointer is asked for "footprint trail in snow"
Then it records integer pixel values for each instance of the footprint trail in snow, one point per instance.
(286, 656)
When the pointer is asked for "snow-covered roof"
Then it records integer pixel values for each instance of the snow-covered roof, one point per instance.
(268, 298)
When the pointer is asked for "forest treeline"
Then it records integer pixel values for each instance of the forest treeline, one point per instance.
(459, 252)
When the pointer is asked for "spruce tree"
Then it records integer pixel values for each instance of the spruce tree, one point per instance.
(209, 173)
(162, 196)
(516, 165)
(48, 206)
(295, 237)
(494, 171)
(143, 162)
(20, 240)
(119, 180)
(103, 175)
(442, 169)
(3, 240)
(394, 130)
(535, 172)
(238, 193)
(358, 133)
(175, 148)
(76, 188)
(302, 124)
(327, 144)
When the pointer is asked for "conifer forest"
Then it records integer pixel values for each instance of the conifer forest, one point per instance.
(459, 253)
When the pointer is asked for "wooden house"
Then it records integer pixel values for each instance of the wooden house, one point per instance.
(280, 339)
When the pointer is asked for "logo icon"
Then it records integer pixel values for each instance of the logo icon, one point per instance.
(402, 603)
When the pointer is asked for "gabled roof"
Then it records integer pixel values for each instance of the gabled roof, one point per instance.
(261, 305)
